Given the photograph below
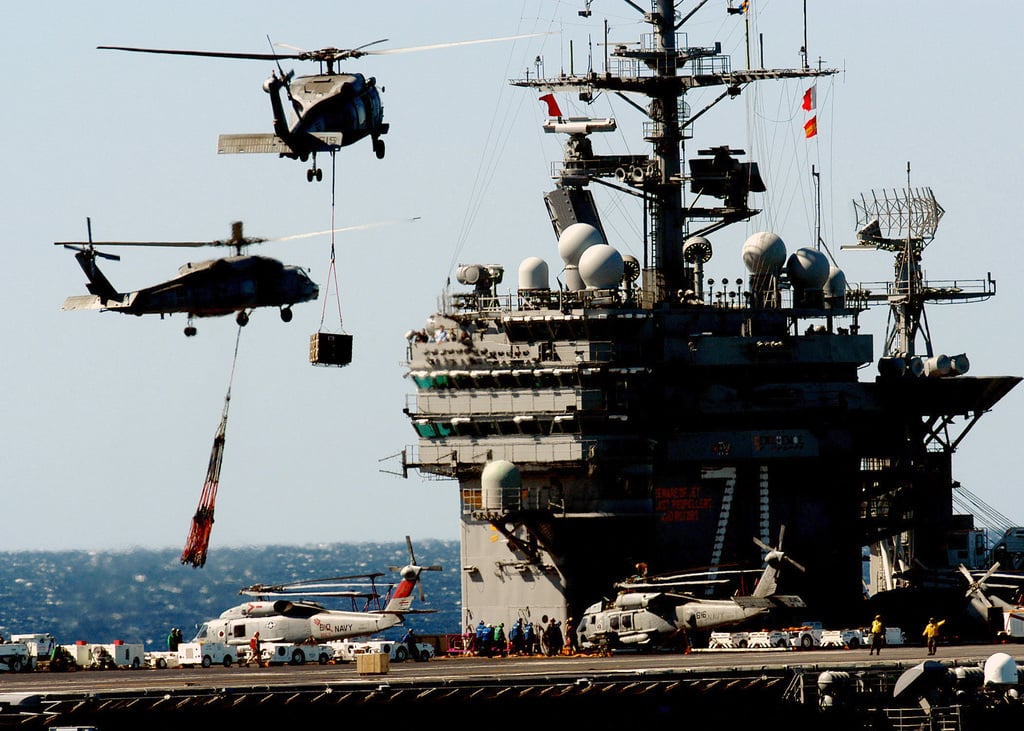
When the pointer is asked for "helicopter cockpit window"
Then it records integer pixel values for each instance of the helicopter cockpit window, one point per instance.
(613, 622)
(627, 621)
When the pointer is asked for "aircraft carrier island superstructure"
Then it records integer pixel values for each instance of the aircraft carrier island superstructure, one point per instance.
(639, 412)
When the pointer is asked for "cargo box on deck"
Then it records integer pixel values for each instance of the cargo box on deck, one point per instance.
(373, 663)
(330, 349)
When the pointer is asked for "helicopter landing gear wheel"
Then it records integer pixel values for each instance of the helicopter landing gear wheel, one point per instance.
(314, 174)
(190, 331)
(242, 318)
(378, 148)
(286, 314)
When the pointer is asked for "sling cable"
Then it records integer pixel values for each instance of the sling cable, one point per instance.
(198, 544)
(327, 348)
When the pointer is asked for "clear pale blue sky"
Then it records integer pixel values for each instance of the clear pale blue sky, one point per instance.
(107, 420)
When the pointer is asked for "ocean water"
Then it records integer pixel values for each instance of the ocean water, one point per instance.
(137, 595)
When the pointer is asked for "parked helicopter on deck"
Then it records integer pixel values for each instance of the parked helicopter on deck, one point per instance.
(330, 110)
(647, 613)
(211, 288)
(290, 618)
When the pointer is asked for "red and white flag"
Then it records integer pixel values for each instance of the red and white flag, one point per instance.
(810, 99)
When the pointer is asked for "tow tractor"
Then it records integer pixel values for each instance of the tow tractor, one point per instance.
(15, 657)
(280, 653)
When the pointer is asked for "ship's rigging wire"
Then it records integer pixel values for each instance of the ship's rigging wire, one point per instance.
(197, 545)
(991, 519)
(503, 119)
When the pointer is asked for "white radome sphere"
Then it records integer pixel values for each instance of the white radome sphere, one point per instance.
(576, 239)
(836, 284)
(764, 253)
(808, 268)
(533, 273)
(601, 267)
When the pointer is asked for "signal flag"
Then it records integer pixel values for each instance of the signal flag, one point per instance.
(553, 110)
(811, 127)
(810, 99)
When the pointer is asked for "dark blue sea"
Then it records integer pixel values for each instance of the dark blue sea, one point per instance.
(137, 595)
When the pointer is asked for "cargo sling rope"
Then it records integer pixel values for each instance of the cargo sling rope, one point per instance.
(198, 544)
(332, 272)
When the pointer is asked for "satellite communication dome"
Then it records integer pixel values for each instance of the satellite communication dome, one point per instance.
(499, 478)
(533, 273)
(764, 253)
(576, 239)
(601, 267)
(1001, 669)
(836, 284)
(808, 269)
(835, 287)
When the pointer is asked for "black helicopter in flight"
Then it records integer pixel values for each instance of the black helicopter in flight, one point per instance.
(330, 110)
(212, 288)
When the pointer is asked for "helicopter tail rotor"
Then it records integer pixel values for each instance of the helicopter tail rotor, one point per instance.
(414, 568)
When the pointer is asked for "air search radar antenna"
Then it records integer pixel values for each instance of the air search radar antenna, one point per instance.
(904, 222)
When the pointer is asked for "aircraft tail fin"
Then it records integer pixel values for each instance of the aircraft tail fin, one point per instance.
(774, 560)
(401, 599)
(98, 284)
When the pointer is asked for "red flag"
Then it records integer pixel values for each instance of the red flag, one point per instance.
(553, 110)
(811, 126)
(809, 99)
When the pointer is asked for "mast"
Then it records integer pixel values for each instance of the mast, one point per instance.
(665, 197)
(663, 72)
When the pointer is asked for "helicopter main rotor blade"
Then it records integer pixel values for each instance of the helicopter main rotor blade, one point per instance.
(357, 227)
(323, 54)
(434, 46)
(210, 54)
(246, 241)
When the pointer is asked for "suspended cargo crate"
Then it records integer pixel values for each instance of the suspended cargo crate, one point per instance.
(330, 349)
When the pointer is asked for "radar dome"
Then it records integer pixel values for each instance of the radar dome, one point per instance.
(499, 478)
(764, 253)
(808, 269)
(601, 267)
(1001, 669)
(533, 273)
(835, 287)
(836, 283)
(576, 239)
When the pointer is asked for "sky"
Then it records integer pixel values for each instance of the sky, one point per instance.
(108, 420)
